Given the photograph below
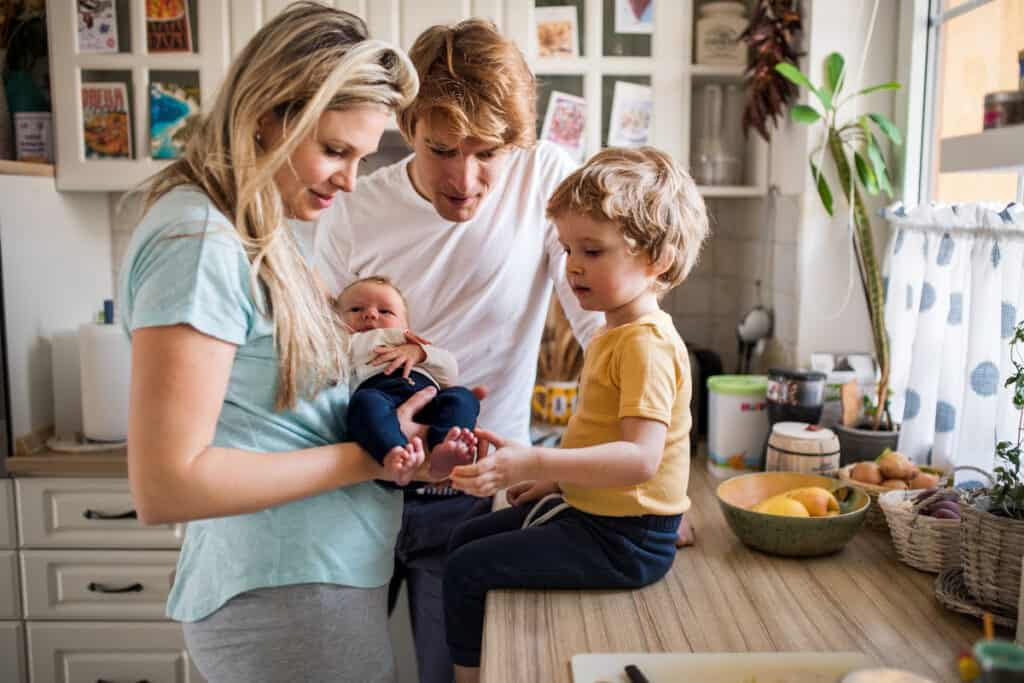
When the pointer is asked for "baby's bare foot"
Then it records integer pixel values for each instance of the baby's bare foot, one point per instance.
(399, 464)
(455, 450)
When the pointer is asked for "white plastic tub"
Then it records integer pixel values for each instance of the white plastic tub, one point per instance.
(737, 423)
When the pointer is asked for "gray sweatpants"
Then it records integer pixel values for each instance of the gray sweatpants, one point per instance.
(306, 632)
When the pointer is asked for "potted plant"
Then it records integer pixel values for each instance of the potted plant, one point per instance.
(992, 533)
(860, 166)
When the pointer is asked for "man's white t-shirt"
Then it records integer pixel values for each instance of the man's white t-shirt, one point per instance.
(479, 289)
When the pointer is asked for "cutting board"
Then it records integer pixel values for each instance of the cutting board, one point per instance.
(720, 667)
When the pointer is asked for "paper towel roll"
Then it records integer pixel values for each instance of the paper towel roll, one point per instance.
(105, 357)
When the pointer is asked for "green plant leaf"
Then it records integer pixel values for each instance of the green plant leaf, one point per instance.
(891, 85)
(801, 113)
(878, 163)
(888, 128)
(823, 189)
(796, 76)
(866, 174)
(834, 64)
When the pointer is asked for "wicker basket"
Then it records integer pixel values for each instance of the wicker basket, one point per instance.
(875, 518)
(923, 542)
(991, 548)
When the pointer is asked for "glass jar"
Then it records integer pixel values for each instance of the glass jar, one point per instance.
(718, 34)
(1005, 108)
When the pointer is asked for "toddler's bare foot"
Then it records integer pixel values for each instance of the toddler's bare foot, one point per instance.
(401, 462)
(456, 449)
(686, 535)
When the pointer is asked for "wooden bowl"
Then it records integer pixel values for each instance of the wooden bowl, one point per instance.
(790, 536)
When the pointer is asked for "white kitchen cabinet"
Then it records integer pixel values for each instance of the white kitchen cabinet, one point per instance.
(93, 587)
(8, 533)
(97, 584)
(63, 652)
(13, 668)
(86, 513)
(10, 595)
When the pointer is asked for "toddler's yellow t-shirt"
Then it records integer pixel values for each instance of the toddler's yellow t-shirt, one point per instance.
(640, 369)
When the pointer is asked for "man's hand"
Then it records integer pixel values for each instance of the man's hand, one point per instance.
(404, 356)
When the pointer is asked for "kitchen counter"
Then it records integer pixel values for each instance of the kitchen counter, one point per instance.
(47, 463)
(721, 596)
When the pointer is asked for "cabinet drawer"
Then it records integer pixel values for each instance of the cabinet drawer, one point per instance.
(10, 596)
(86, 653)
(97, 584)
(7, 529)
(86, 513)
(12, 652)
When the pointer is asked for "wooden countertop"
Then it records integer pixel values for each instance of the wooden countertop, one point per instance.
(47, 463)
(721, 596)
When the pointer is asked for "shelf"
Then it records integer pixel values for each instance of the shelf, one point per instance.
(26, 168)
(730, 191)
(994, 150)
(715, 71)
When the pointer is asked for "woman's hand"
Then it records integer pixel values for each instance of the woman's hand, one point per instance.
(510, 464)
(405, 356)
(527, 491)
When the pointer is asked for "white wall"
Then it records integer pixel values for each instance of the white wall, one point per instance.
(832, 313)
(56, 274)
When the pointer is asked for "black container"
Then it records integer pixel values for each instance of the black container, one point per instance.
(795, 395)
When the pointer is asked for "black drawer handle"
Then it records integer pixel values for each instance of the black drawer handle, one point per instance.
(103, 680)
(95, 514)
(100, 588)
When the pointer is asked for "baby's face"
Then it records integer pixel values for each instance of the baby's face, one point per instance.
(371, 306)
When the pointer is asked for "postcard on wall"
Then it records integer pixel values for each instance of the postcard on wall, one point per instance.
(565, 122)
(97, 26)
(106, 122)
(167, 26)
(173, 115)
(557, 34)
(634, 16)
(631, 115)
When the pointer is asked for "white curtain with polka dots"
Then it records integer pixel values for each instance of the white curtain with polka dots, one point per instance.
(954, 293)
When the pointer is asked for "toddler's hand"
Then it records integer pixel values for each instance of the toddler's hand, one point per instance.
(401, 462)
(527, 491)
(404, 356)
(508, 465)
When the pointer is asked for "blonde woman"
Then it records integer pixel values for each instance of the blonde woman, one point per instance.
(234, 415)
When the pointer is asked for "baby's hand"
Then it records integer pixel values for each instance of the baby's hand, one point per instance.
(404, 356)
(401, 462)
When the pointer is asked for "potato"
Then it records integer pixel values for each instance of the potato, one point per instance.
(924, 480)
(894, 465)
(894, 484)
(866, 472)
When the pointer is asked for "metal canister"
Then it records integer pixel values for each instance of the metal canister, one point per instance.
(1004, 108)
(800, 447)
(795, 395)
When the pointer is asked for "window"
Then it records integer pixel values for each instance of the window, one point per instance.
(972, 48)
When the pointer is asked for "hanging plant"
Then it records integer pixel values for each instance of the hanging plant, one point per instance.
(773, 36)
(1006, 496)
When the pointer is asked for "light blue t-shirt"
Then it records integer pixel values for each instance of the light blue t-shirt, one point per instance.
(186, 265)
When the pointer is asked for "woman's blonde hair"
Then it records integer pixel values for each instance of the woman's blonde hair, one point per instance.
(645, 193)
(307, 60)
(476, 81)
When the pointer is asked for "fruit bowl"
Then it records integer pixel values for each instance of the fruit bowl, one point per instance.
(790, 536)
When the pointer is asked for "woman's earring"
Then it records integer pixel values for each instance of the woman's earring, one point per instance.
(259, 138)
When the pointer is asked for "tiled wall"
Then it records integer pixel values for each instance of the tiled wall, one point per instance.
(746, 244)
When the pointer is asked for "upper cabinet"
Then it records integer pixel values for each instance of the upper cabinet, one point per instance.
(609, 72)
(125, 82)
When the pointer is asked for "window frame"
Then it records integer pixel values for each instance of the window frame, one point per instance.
(922, 21)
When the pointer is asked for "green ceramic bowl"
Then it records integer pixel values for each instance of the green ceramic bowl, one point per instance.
(791, 536)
